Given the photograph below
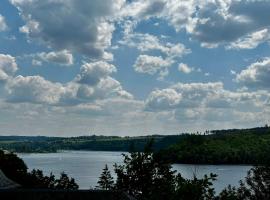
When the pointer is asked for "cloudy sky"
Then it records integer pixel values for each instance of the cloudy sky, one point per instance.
(116, 67)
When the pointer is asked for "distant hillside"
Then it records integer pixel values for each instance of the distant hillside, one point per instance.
(235, 146)
(98, 143)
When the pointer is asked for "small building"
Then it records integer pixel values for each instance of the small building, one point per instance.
(6, 183)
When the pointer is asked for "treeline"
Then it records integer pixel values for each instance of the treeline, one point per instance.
(234, 146)
(96, 143)
(247, 146)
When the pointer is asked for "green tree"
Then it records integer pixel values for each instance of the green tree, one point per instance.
(106, 180)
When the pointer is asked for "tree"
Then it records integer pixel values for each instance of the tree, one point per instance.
(12, 166)
(66, 183)
(15, 169)
(106, 181)
(256, 186)
(195, 189)
(146, 177)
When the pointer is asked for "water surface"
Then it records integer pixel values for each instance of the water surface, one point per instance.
(86, 167)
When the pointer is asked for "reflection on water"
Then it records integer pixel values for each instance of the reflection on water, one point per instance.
(86, 166)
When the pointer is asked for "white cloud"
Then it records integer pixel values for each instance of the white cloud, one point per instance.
(3, 25)
(237, 24)
(209, 105)
(63, 57)
(251, 41)
(34, 89)
(185, 68)
(233, 72)
(78, 26)
(91, 84)
(152, 64)
(143, 9)
(107, 88)
(92, 73)
(147, 42)
(256, 75)
(8, 67)
(36, 62)
(163, 99)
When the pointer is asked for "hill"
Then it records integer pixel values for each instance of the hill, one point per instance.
(235, 146)
(232, 146)
(43, 144)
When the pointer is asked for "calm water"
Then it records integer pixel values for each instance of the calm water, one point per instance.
(86, 166)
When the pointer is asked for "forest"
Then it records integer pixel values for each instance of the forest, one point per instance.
(232, 146)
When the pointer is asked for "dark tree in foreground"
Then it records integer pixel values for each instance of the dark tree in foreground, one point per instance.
(106, 180)
(15, 169)
(146, 177)
(196, 188)
(12, 166)
(66, 183)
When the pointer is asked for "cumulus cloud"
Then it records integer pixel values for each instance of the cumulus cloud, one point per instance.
(237, 24)
(92, 73)
(143, 9)
(3, 25)
(107, 88)
(91, 84)
(251, 41)
(37, 90)
(34, 89)
(256, 75)
(61, 57)
(163, 99)
(81, 26)
(225, 22)
(147, 42)
(152, 65)
(185, 68)
(8, 67)
(206, 102)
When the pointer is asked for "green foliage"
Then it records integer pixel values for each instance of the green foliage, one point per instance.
(249, 146)
(106, 180)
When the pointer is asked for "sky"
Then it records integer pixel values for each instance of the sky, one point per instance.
(127, 68)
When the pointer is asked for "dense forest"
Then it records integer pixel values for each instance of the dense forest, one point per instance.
(43, 144)
(233, 146)
(247, 146)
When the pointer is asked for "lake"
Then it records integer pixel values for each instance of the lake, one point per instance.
(86, 167)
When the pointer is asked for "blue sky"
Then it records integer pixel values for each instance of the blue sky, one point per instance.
(133, 67)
